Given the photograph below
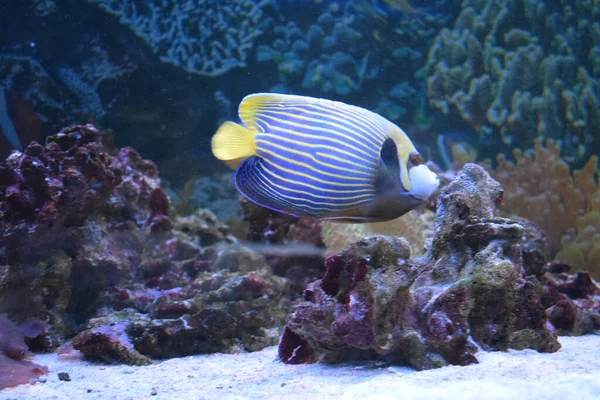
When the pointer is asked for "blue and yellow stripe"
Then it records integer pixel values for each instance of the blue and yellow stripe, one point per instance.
(307, 156)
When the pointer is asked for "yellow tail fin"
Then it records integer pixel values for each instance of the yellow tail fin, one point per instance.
(233, 142)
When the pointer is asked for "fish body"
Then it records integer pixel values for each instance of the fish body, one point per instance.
(19, 122)
(324, 159)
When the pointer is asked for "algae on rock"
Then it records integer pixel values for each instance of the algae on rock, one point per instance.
(374, 301)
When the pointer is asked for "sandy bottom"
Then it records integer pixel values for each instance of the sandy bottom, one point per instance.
(571, 373)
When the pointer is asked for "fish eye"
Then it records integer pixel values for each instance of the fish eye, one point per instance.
(414, 159)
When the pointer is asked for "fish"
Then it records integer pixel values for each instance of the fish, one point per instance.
(324, 159)
(20, 123)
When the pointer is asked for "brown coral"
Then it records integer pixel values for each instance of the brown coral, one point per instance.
(540, 187)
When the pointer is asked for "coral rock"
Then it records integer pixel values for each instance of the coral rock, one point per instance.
(73, 220)
(376, 302)
(219, 299)
(572, 301)
(110, 344)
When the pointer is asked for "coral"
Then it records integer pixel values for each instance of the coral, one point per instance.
(519, 69)
(414, 227)
(346, 51)
(207, 38)
(581, 247)
(375, 302)
(73, 219)
(572, 301)
(194, 300)
(14, 370)
(36, 99)
(318, 59)
(541, 188)
(26, 76)
(84, 80)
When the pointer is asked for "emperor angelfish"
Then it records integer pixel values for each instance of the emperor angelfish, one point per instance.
(324, 159)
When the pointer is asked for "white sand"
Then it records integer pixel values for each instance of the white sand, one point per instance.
(571, 373)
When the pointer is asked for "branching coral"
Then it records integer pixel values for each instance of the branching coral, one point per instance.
(521, 69)
(347, 50)
(207, 37)
(540, 187)
(323, 59)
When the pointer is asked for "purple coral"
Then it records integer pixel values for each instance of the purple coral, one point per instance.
(73, 220)
(376, 302)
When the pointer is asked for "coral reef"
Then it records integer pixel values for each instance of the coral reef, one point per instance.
(26, 76)
(207, 38)
(193, 300)
(580, 247)
(540, 187)
(315, 58)
(374, 301)
(415, 227)
(519, 69)
(83, 81)
(89, 234)
(572, 301)
(73, 220)
(14, 370)
(218, 194)
(347, 50)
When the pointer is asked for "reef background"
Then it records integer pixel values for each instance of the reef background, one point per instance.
(128, 264)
